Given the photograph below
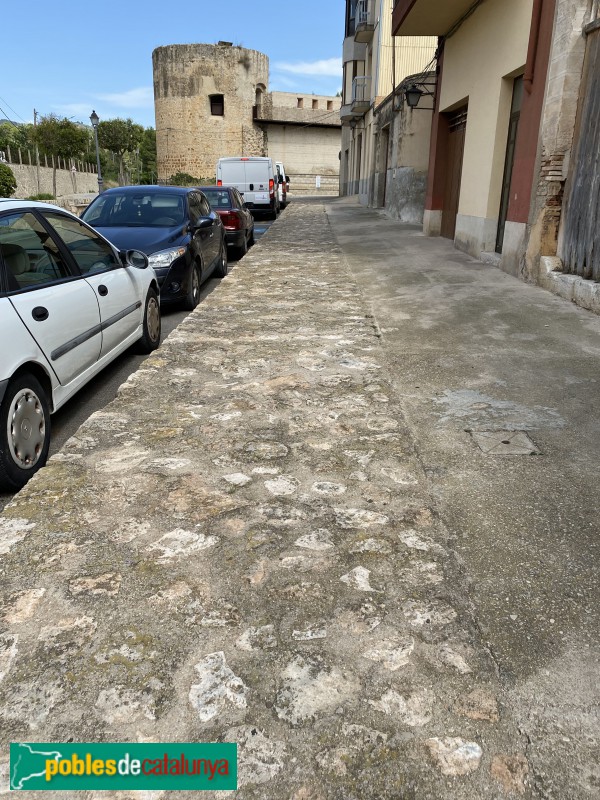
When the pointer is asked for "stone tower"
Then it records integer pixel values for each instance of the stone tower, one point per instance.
(205, 98)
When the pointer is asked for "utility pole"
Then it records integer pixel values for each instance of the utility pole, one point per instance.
(37, 152)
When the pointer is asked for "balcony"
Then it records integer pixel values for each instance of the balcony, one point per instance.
(365, 21)
(427, 17)
(361, 95)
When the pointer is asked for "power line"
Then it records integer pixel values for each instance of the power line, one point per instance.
(8, 118)
(12, 109)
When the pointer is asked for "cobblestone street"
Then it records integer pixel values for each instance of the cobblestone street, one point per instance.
(247, 546)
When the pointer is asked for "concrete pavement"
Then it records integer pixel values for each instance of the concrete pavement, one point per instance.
(280, 533)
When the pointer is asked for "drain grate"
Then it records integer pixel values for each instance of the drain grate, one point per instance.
(504, 443)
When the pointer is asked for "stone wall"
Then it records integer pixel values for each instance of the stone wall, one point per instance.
(189, 138)
(556, 135)
(67, 182)
(308, 152)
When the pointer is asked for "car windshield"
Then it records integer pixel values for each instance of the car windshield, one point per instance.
(144, 209)
(218, 198)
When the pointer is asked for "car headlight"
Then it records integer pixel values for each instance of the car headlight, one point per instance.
(164, 258)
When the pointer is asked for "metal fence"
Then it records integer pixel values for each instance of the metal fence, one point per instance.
(27, 158)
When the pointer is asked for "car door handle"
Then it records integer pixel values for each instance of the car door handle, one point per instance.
(102, 290)
(40, 313)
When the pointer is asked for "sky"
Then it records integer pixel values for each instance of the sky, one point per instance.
(70, 58)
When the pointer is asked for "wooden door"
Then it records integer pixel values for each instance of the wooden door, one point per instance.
(581, 245)
(513, 127)
(457, 126)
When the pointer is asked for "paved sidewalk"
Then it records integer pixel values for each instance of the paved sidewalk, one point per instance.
(481, 360)
(244, 546)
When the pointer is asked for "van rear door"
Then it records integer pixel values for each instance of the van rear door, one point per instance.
(232, 172)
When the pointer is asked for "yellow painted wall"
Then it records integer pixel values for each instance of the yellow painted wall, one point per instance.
(480, 61)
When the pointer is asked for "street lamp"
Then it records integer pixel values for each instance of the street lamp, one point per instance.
(413, 95)
(415, 92)
(95, 119)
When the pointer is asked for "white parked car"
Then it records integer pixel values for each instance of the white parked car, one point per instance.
(70, 303)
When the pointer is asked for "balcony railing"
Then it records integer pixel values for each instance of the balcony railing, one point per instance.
(365, 21)
(361, 93)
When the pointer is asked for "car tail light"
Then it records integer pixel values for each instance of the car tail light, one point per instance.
(219, 183)
(231, 220)
(271, 186)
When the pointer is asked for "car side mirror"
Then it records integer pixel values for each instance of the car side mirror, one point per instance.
(134, 258)
(245, 205)
(203, 222)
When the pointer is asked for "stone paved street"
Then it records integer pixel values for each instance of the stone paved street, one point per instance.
(244, 546)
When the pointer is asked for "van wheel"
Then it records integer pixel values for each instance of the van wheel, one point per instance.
(24, 431)
(272, 214)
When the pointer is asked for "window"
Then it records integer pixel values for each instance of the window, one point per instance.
(32, 257)
(300, 102)
(315, 104)
(217, 105)
(330, 105)
(91, 253)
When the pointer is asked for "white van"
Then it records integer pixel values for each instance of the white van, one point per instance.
(256, 180)
(284, 184)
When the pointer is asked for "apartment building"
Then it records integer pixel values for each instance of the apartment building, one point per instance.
(384, 144)
(513, 173)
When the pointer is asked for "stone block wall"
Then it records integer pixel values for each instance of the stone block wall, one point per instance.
(556, 134)
(67, 182)
(189, 138)
(306, 153)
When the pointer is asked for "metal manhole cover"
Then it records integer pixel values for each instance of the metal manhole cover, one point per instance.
(504, 443)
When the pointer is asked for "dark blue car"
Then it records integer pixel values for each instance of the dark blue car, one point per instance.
(182, 236)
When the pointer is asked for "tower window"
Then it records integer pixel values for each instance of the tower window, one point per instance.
(315, 103)
(330, 105)
(300, 102)
(217, 105)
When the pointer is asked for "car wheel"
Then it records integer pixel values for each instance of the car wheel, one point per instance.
(243, 248)
(193, 296)
(150, 338)
(222, 267)
(24, 431)
(251, 237)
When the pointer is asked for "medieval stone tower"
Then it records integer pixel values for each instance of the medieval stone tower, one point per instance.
(205, 99)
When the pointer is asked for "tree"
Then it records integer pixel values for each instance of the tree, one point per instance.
(60, 137)
(121, 136)
(148, 156)
(15, 136)
(8, 184)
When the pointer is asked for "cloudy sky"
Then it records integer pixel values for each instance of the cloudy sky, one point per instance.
(69, 58)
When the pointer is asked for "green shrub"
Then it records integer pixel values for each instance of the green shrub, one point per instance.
(41, 196)
(8, 183)
(183, 179)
